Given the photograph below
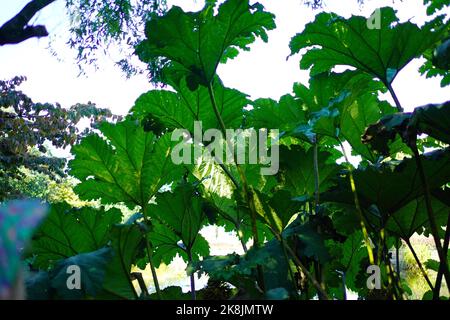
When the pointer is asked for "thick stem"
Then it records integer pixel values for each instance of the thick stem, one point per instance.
(393, 278)
(248, 195)
(251, 204)
(344, 288)
(228, 173)
(306, 272)
(241, 238)
(150, 255)
(437, 286)
(431, 217)
(239, 169)
(237, 226)
(380, 247)
(288, 264)
(394, 96)
(317, 266)
(316, 174)
(393, 283)
(153, 269)
(138, 276)
(192, 277)
(422, 270)
(318, 275)
(358, 207)
(244, 246)
(212, 97)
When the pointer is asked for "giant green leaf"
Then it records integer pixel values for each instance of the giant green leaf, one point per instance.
(284, 205)
(277, 210)
(329, 89)
(281, 115)
(179, 110)
(68, 232)
(381, 52)
(413, 216)
(310, 242)
(127, 241)
(436, 63)
(325, 122)
(180, 210)
(325, 102)
(432, 119)
(53, 284)
(353, 253)
(392, 185)
(223, 202)
(297, 170)
(129, 167)
(356, 117)
(354, 120)
(92, 267)
(275, 265)
(343, 106)
(88, 238)
(196, 42)
(239, 270)
(167, 245)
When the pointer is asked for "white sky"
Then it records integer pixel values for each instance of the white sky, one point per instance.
(262, 72)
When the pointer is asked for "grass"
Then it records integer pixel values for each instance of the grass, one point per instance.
(410, 272)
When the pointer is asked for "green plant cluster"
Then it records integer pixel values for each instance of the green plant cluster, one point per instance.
(317, 224)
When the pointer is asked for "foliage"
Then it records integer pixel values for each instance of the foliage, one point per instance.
(193, 44)
(317, 224)
(67, 232)
(97, 25)
(436, 63)
(181, 217)
(381, 53)
(127, 167)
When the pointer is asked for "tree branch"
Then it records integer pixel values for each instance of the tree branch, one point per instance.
(17, 29)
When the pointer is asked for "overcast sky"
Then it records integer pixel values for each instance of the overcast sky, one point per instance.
(263, 72)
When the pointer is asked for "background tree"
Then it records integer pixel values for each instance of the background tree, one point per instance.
(27, 129)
